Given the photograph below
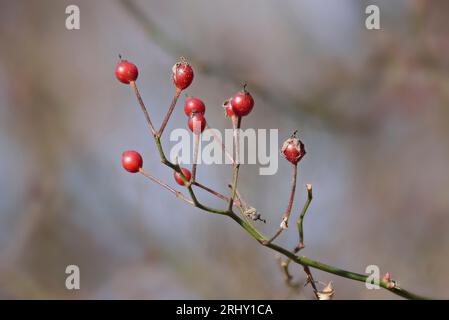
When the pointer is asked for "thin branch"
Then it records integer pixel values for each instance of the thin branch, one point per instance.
(170, 111)
(177, 168)
(219, 141)
(301, 217)
(311, 281)
(142, 106)
(236, 123)
(239, 198)
(215, 193)
(195, 154)
(301, 238)
(278, 232)
(166, 186)
(288, 211)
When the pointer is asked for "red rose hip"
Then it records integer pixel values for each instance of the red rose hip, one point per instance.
(197, 122)
(182, 74)
(242, 103)
(132, 161)
(186, 174)
(126, 72)
(194, 105)
(293, 149)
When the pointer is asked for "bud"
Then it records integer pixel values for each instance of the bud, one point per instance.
(390, 282)
(386, 277)
(293, 149)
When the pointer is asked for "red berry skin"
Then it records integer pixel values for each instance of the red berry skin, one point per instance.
(197, 122)
(132, 161)
(182, 75)
(186, 174)
(242, 103)
(291, 153)
(228, 108)
(293, 150)
(194, 105)
(126, 72)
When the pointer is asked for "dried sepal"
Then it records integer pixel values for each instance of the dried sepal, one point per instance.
(252, 213)
(327, 293)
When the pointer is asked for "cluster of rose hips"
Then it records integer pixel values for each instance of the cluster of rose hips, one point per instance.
(236, 107)
(239, 105)
(127, 72)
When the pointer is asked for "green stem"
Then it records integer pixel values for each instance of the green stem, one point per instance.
(304, 261)
(249, 228)
(301, 218)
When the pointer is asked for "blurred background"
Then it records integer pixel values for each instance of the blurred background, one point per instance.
(371, 107)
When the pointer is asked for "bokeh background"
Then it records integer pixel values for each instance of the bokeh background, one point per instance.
(371, 107)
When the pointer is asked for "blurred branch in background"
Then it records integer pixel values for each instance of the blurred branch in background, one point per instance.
(316, 106)
(390, 54)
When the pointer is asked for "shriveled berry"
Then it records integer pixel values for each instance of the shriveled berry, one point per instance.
(197, 122)
(242, 103)
(182, 74)
(194, 105)
(186, 174)
(228, 108)
(293, 149)
(132, 161)
(126, 72)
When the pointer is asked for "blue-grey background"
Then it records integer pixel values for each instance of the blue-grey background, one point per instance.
(371, 107)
